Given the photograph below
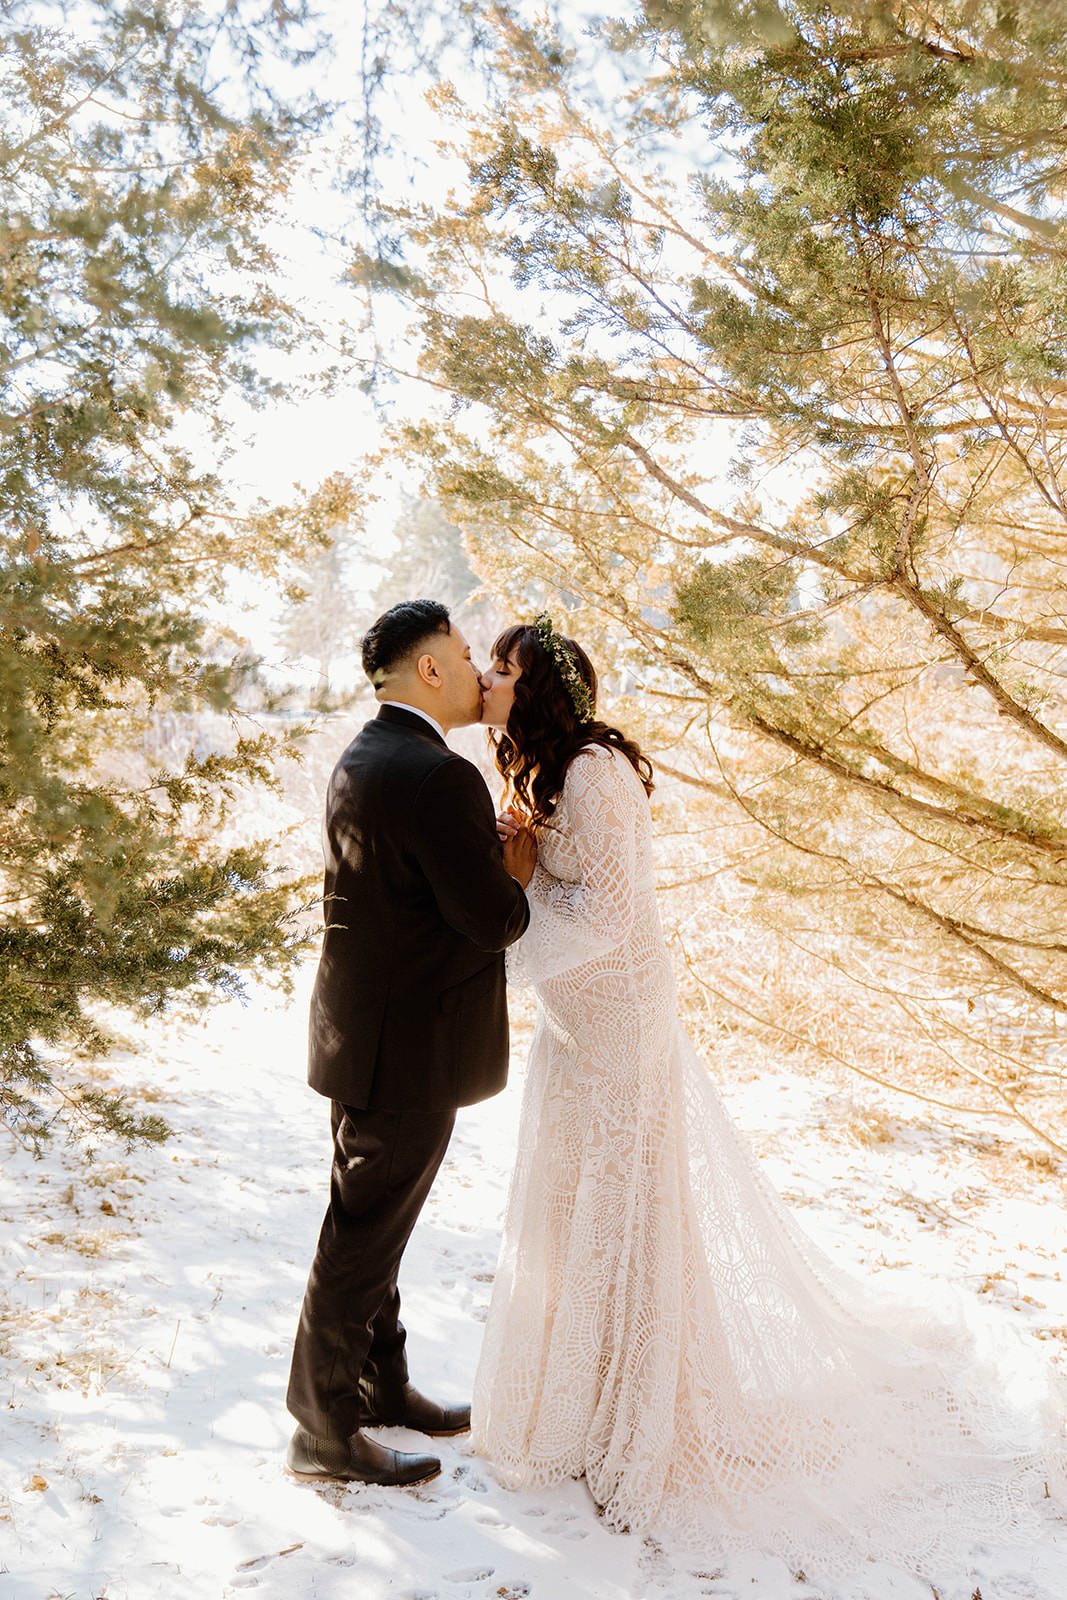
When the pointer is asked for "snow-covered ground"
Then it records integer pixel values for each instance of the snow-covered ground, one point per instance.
(149, 1301)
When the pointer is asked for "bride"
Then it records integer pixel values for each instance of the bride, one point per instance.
(659, 1324)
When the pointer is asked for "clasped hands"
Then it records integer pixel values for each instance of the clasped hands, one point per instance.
(520, 845)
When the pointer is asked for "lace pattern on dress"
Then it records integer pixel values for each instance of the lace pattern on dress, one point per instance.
(660, 1323)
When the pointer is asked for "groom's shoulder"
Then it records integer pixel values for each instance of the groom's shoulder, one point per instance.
(389, 750)
(385, 738)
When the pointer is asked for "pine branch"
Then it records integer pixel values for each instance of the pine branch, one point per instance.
(869, 879)
(909, 589)
(1038, 632)
(1054, 844)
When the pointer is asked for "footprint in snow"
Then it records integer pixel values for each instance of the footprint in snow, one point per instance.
(429, 1510)
(653, 1564)
(467, 1478)
(468, 1575)
(335, 1494)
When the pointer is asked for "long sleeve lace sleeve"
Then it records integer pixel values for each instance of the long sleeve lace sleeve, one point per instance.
(573, 922)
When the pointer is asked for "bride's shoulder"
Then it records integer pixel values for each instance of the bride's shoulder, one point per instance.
(597, 766)
(601, 791)
(601, 754)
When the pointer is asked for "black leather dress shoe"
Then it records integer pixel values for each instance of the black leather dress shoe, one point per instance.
(355, 1460)
(405, 1407)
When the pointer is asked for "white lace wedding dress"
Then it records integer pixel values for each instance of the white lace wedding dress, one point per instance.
(659, 1323)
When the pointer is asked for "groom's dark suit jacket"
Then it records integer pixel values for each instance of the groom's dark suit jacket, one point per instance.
(409, 1008)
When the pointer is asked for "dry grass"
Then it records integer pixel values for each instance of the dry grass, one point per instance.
(93, 1245)
(87, 1371)
(871, 1127)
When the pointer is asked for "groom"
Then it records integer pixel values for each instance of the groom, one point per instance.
(408, 1021)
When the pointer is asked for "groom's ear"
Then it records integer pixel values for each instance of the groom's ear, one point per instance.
(427, 669)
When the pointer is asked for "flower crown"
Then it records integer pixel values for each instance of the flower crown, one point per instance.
(577, 689)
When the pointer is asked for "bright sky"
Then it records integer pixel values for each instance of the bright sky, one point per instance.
(295, 444)
(303, 441)
(300, 442)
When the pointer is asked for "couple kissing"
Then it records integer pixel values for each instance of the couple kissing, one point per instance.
(660, 1325)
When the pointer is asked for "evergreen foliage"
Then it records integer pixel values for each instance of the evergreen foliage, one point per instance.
(753, 317)
(429, 559)
(142, 153)
(322, 621)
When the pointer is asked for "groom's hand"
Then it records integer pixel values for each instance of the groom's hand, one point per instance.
(520, 855)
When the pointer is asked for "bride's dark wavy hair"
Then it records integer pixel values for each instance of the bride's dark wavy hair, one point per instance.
(544, 732)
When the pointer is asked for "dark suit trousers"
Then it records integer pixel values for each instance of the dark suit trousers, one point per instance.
(384, 1163)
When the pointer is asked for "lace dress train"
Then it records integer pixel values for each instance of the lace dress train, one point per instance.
(659, 1323)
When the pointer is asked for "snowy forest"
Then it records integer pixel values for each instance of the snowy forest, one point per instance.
(732, 333)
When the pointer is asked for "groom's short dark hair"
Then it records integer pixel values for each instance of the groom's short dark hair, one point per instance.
(398, 633)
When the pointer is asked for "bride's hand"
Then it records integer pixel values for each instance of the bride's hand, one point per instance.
(508, 824)
(520, 855)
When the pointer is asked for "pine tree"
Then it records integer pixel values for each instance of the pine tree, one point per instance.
(756, 319)
(431, 558)
(140, 159)
(323, 620)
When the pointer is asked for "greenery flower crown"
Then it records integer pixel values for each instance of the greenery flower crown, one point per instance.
(577, 689)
